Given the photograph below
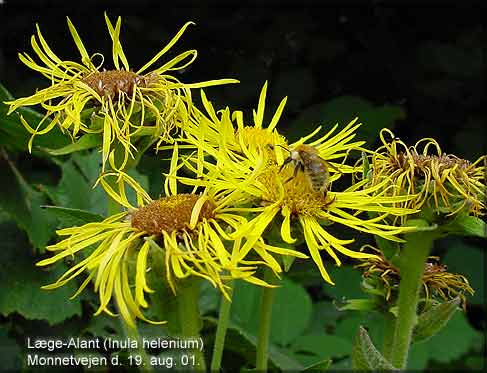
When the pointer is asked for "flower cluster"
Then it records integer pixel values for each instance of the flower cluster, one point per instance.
(248, 160)
(254, 194)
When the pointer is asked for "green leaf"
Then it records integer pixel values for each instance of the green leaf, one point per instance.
(322, 345)
(20, 282)
(344, 109)
(467, 225)
(433, 320)
(449, 344)
(209, 298)
(75, 189)
(71, 217)
(276, 355)
(291, 299)
(347, 283)
(365, 356)
(467, 258)
(87, 141)
(324, 317)
(22, 203)
(14, 136)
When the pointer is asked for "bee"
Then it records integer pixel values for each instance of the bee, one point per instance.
(306, 158)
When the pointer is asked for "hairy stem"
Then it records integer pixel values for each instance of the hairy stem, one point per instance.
(189, 316)
(389, 329)
(412, 262)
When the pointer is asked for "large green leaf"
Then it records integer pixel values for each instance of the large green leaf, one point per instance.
(20, 282)
(22, 203)
(73, 190)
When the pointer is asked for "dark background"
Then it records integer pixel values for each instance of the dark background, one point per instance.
(417, 69)
(426, 60)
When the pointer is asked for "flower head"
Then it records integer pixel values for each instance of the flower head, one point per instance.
(442, 182)
(120, 104)
(383, 277)
(245, 160)
(189, 231)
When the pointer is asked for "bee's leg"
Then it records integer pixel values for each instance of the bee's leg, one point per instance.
(330, 202)
(286, 161)
(296, 169)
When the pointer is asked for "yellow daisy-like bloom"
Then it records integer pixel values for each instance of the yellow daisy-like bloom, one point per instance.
(227, 134)
(193, 232)
(182, 225)
(437, 282)
(252, 170)
(444, 182)
(125, 105)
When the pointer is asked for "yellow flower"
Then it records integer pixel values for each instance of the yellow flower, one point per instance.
(440, 181)
(191, 231)
(244, 164)
(120, 104)
(437, 282)
(219, 137)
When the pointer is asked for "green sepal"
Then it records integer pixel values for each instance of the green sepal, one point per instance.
(365, 356)
(434, 319)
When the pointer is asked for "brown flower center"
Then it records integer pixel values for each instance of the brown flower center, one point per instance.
(169, 214)
(443, 161)
(112, 82)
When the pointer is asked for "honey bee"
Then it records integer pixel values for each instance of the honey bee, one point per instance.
(306, 158)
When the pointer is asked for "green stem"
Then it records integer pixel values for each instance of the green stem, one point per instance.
(389, 328)
(266, 301)
(189, 316)
(412, 263)
(221, 331)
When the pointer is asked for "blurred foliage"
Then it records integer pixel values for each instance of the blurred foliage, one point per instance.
(418, 71)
